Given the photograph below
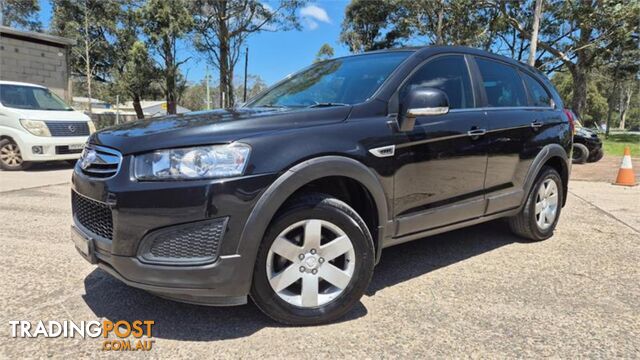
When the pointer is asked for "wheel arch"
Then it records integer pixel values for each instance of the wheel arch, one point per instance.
(296, 178)
(555, 156)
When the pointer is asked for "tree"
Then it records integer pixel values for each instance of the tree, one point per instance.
(534, 33)
(583, 34)
(91, 23)
(222, 27)
(138, 74)
(365, 21)
(325, 53)
(20, 14)
(165, 22)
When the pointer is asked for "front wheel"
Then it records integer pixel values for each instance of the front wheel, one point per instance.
(11, 157)
(539, 216)
(315, 262)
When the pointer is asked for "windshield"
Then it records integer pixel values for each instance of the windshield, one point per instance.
(30, 97)
(345, 81)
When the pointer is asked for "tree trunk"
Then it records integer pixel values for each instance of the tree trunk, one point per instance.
(137, 107)
(86, 54)
(170, 75)
(534, 32)
(579, 99)
(439, 37)
(624, 104)
(224, 55)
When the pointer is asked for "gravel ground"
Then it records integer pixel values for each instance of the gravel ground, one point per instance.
(476, 292)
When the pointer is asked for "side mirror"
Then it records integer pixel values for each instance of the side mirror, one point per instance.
(423, 101)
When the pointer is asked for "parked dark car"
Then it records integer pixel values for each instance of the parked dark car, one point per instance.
(291, 198)
(587, 146)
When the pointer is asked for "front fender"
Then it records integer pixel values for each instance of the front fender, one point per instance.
(295, 178)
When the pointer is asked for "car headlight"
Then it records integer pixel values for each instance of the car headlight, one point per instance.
(202, 162)
(92, 127)
(36, 127)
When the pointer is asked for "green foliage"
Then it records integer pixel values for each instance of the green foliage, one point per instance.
(325, 53)
(165, 22)
(596, 109)
(222, 28)
(21, 14)
(139, 72)
(614, 145)
(365, 26)
(102, 17)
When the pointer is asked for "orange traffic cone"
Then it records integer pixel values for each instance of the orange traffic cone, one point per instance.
(626, 176)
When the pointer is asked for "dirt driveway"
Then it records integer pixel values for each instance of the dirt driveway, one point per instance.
(478, 292)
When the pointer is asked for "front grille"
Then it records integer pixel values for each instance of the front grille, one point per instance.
(100, 162)
(68, 128)
(64, 150)
(193, 243)
(93, 215)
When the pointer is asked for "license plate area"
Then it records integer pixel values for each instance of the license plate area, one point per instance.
(76, 146)
(84, 245)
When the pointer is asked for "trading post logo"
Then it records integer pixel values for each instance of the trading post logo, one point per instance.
(128, 334)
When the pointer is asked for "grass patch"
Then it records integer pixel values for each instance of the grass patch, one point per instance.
(615, 144)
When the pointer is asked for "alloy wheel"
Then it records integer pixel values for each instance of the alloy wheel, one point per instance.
(10, 155)
(546, 204)
(310, 263)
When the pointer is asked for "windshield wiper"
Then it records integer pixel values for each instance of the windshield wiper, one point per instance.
(272, 106)
(327, 104)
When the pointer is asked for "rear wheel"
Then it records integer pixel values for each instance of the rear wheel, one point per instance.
(540, 214)
(580, 153)
(315, 262)
(596, 156)
(11, 157)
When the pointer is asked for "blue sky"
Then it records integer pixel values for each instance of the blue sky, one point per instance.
(273, 55)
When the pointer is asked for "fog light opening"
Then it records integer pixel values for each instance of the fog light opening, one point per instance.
(37, 150)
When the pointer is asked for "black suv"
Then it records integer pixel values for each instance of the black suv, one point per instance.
(292, 197)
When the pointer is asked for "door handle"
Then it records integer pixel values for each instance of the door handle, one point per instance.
(536, 124)
(476, 132)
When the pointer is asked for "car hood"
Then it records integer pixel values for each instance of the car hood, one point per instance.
(210, 127)
(48, 115)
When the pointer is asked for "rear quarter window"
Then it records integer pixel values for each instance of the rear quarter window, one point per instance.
(538, 94)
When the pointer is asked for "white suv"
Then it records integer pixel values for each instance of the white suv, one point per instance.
(36, 125)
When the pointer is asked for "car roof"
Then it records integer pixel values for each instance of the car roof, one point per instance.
(4, 82)
(429, 49)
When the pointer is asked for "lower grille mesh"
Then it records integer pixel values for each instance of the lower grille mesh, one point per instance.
(185, 244)
(93, 215)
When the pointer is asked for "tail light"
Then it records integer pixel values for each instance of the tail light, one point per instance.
(572, 123)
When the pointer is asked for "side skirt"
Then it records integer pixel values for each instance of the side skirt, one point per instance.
(447, 228)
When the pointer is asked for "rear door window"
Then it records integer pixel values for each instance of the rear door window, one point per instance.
(539, 96)
(502, 84)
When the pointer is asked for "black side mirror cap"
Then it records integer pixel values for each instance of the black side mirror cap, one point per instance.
(422, 101)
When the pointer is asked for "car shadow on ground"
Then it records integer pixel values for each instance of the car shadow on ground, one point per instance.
(51, 165)
(111, 299)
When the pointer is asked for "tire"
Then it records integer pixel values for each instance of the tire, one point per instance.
(527, 223)
(580, 153)
(596, 156)
(304, 215)
(10, 157)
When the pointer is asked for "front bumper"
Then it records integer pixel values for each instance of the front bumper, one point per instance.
(53, 148)
(141, 210)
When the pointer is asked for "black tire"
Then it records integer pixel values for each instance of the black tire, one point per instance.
(524, 224)
(322, 207)
(580, 153)
(10, 164)
(596, 156)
